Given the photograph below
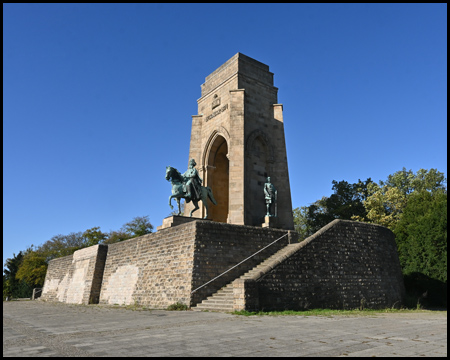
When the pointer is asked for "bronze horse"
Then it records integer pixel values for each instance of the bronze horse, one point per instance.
(177, 180)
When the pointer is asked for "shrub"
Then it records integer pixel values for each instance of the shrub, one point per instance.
(178, 306)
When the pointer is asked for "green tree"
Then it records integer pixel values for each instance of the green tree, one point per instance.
(387, 201)
(93, 236)
(421, 234)
(384, 206)
(33, 268)
(139, 226)
(13, 287)
(301, 223)
(317, 215)
(346, 203)
(408, 182)
(61, 245)
(115, 236)
(10, 283)
(348, 199)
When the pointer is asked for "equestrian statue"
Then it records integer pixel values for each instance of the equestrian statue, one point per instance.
(188, 186)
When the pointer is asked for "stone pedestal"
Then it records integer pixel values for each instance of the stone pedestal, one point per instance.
(175, 220)
(270, 221)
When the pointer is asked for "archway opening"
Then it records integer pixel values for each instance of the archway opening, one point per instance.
(218, 179)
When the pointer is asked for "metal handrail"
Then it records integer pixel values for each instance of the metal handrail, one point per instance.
(239, 263)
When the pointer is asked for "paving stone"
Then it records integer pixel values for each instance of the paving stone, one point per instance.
(48, 329)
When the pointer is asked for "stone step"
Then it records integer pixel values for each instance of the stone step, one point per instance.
(278, 256)
(223, 299)
(217, 301)
(226, 289)
(220, 297)
(214, 306)
(222, 294)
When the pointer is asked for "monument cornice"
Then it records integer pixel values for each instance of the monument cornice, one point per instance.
(271, 87)
(216, 89)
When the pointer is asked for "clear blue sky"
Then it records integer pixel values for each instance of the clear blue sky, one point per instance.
(97, 101)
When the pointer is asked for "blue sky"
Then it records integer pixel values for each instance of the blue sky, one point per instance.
(98, 98)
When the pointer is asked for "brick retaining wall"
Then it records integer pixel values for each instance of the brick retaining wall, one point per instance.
(162, 268)
(340, 266)
(345, 265)
(153, 270)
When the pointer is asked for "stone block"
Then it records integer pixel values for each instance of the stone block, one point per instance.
(175, 220)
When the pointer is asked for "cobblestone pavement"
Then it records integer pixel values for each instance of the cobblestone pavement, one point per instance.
(36, 328)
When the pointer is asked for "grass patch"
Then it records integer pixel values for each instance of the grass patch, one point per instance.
(326, 312)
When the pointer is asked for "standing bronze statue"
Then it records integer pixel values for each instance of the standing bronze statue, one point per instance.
(188, 186)
(271, 197)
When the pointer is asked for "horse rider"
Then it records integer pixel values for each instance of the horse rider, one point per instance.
(193, 182)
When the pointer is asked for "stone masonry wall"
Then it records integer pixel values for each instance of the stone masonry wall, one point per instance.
(345, 265)
(56, 279)
(75, 279)
(221, 246)
(162, 268)
(153, 270)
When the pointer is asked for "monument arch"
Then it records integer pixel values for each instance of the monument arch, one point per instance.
(216, 174)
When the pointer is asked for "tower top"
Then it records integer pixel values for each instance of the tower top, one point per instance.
(239, 64)
(237, 140)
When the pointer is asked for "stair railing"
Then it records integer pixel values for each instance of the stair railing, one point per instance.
(239, 263)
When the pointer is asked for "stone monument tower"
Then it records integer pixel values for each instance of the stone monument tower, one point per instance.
(238, 141)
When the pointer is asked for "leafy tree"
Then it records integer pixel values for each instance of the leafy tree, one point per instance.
(61, 245)
(10, 283)
(386, 201)
(139, 226)
(384, 206)
(300, 222)
(348, 199)
(407, 182)
(13, 287)
(317, 215)
(421, 234)
(347, 202)
(115, 236)
(33, 268)
(93, 236)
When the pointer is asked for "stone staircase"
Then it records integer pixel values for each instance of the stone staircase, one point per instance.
(223, 299)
